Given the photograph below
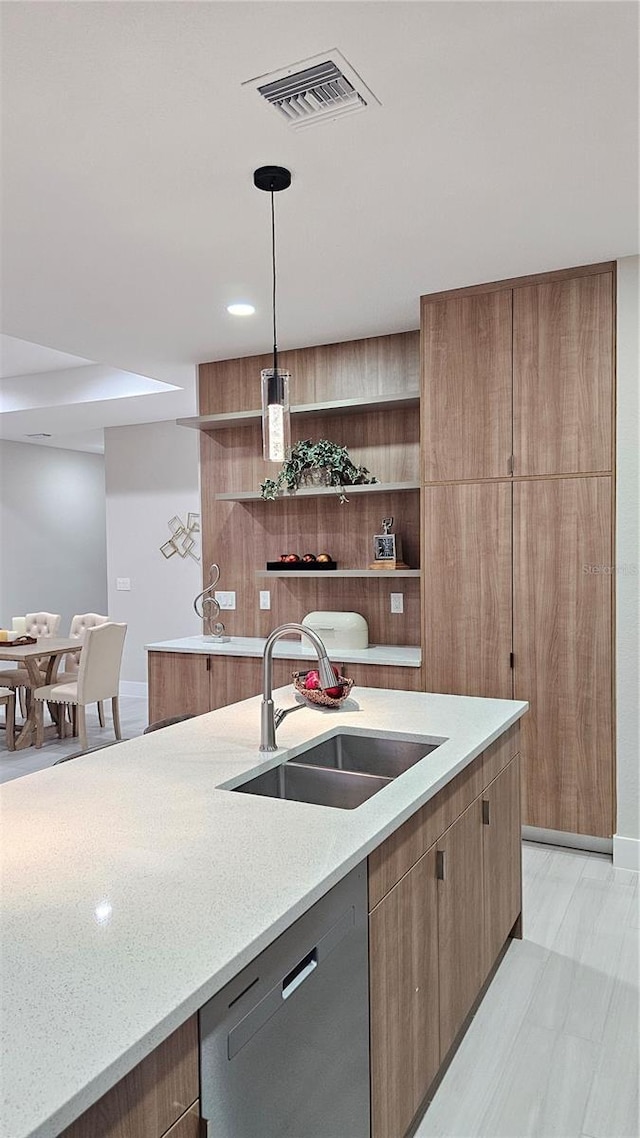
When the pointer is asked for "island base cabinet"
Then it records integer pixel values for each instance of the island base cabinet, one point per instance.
(157, 1099)
(437, 926)
(403, 978)
(461, 953)
(501, 859)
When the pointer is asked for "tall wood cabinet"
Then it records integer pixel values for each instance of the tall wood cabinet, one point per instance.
(517, 548)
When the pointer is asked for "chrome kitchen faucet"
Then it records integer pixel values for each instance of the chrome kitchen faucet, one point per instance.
(269, 717)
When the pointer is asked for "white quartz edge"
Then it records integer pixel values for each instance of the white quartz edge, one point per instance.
(392, 655)
(195, 881)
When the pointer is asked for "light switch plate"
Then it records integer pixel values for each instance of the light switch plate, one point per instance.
(226, 600)
(265, 599)
(397, 602)
(123, 584)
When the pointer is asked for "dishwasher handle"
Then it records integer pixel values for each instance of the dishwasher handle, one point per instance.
(299, 974)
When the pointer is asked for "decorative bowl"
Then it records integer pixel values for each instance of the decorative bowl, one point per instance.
(319, 697)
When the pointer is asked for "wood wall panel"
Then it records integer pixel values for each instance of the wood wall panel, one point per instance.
(375, 366)
(146, 1102)
(466, 386)
(467, 589)
(563, 651)
(243, 536)
(563, 376)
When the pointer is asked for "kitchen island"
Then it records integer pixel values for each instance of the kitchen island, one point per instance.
(135, 885)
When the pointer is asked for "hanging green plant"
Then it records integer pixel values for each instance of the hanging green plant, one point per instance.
(321, 463)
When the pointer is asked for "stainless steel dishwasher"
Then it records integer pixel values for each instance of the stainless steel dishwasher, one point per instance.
(284, 1048)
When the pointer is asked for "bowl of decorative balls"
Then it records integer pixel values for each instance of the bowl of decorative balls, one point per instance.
(309, 686)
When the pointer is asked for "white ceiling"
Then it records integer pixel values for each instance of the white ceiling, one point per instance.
(506, 143)
(17, 357)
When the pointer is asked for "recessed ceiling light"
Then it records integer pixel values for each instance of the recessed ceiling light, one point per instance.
(241, 309)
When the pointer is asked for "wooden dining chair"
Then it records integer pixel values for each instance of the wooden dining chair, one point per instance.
(98, 679)
(37, 624)
(8, 701)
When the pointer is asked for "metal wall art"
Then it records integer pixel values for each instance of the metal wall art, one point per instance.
(182, 540)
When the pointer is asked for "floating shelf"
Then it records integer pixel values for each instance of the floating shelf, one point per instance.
(320, 492)
(381, 574)
(308, 410)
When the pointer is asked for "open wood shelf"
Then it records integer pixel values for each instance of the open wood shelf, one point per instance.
(319, 492)
(329, 574)
(306, 410)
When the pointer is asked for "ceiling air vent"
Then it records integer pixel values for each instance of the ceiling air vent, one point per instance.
(315, 90)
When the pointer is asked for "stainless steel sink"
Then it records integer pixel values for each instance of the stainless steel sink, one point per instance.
(366, 754)
(343, 771)
(317, 785)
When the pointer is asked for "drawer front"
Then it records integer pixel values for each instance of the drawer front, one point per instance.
(499, 754)
(395, 857)
(190, 1125)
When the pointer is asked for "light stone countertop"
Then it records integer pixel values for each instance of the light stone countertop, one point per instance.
(134, 888)
(393, 655)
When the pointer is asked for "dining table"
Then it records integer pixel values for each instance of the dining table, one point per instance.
(46, 648)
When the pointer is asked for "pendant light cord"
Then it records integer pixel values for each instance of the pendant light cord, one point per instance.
(273, 258)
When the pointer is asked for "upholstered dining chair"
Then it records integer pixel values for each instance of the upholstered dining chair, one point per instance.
(98, 679)
(79, 624)
(37, 624)
(8, 700)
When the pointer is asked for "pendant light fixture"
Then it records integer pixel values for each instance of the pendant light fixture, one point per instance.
(276, 422)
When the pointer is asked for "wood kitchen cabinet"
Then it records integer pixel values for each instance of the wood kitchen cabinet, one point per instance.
(563, 651)
(517, 592)
(444, 897)
(461, 953)
(466, 386)
(179, 684)
(501, 859)
(158, 1097)
(192, 683)
(563, 376)
(404, 1006)
(467, 588)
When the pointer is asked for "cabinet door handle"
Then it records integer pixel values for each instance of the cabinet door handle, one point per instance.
(440, 865)
(208, 663)
(486, 820)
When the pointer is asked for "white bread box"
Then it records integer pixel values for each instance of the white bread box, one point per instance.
(339, 629)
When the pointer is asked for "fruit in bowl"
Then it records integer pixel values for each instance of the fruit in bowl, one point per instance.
(312, 683)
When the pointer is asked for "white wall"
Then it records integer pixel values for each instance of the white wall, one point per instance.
(52, 532)
(626, 843)
(152, 473)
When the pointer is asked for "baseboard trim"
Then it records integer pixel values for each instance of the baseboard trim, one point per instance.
(132, 687)
(626, 853)
(572, 841)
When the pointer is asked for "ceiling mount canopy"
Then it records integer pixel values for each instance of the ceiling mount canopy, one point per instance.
(272, 178)
(276, 422)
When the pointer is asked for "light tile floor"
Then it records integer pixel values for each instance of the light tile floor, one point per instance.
(133, 720)
(552, 1051)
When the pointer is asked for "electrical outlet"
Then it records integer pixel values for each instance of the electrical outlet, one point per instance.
(265, 599)
(397, 602)
(226, 600)
(123, 584)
